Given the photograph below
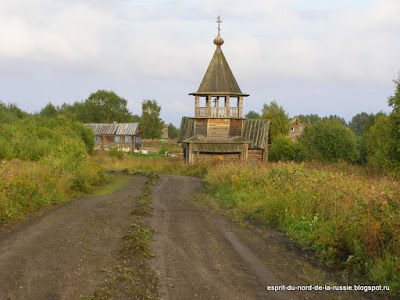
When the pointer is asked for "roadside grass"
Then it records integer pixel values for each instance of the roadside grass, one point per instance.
(349, 215)
(111, 184)
(26, 186)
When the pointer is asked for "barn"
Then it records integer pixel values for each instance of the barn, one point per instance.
(125, 136)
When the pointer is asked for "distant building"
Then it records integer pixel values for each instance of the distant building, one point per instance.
(218, 130)
(164, 132)
(296, 128)
(125, 136)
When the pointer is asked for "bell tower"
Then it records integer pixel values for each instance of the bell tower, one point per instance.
(218, 129)
(219, 89)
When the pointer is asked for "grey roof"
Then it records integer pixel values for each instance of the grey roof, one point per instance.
(219, 79)
(257, 132)
(187, 129)
(114, 128)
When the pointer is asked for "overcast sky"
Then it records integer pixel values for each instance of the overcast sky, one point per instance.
(311, 56)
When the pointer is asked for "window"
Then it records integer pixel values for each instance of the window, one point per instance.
(137, 139)
(117, 139)
(96, 138)
(292, 129)
(127, 139)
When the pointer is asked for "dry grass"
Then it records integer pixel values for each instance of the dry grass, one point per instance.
(349, 215)
(156, 145)
(26, 186)
(148, 163)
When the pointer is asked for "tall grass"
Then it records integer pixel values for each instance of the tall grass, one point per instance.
(148, 163)
(351, 219)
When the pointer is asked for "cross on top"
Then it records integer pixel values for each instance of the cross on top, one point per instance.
(219, 23)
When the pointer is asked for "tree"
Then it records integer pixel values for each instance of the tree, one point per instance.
(173, 132)
(49, 111)
(150, 120)
(335, 117)
(379, 144)
(105, 107)
(279, 119)
(361, 124)
(383, 141)
(11, 113)
(309, 119)
(252, 115)
(330, 140)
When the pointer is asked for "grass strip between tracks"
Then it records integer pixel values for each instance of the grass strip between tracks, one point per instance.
(132, 278)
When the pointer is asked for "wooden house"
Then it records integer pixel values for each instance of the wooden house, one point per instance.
(218, 130)
(296, 128)
(125, 136)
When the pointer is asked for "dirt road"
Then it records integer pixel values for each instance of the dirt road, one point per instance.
(200, 255)
(66, 252)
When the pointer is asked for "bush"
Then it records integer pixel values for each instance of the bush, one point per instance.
(283, 148)
(330, 141)
(115, 152)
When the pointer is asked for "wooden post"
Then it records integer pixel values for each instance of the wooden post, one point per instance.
(240, 105)
(196, 105)
(208, 105)
(227, 109)
(190, 154)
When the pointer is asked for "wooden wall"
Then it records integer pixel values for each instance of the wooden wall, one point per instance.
(200, 127)
(218, 128)
(215, 156)
(256, 155)
(235, 128)
(107, 141)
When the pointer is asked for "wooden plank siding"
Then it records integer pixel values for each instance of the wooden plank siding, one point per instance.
(213, 156)
(108, 141)
(200, 127)
(218, 128)
(255, 155)
(235, 128)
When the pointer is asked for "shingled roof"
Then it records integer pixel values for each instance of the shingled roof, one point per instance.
(219, 79)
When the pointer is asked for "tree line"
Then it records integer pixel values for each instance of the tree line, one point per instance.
(368, 139)
(107, 107)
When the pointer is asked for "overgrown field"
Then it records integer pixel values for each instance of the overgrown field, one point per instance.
(157, 163)
(26, 186)
(351, 219)
(44, 162)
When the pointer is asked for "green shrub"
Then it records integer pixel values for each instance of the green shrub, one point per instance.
(283, 148)
(115, 152)
(330, 141)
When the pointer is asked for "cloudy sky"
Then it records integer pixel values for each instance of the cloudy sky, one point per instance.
(311, 56)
